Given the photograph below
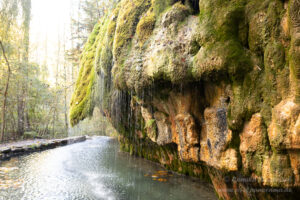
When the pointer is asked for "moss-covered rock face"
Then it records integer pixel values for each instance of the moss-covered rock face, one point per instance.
(81, 102)
(208, 88)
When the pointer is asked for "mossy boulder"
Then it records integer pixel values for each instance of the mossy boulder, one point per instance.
(146, 26)
(177, 58)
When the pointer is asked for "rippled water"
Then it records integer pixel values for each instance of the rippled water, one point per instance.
(94, 169)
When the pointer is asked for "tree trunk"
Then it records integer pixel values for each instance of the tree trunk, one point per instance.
(22, 111)
(28, 126)
(65, 90)
(21, 114)
(5, 93)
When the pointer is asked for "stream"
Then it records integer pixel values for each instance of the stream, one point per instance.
(91, 170)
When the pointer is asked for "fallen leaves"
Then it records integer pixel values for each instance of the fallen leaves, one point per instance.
(7, 182)
(161, 176)
(7, 169)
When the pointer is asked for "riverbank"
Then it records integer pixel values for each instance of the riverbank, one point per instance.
(25, 147)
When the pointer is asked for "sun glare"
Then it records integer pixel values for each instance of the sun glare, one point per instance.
(50, 24)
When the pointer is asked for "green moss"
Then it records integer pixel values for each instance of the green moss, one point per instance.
(151, 129)
(295, 69)
(136, 18)
(95, 59)
(160, 5)
(246, 99)
(156, 153)
(30, 135)
(238, 43)
(222, 54)
(275, 81)
(104, 60)
(261, 89)
(33, 146)
(82, 104)
(145, 26)
(294, 51)
(195, 47)
(128, 18)
(150, 123)
(281, 171)
(103, 48)
(177, 15)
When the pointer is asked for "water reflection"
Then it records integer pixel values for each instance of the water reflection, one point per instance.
(94, 169)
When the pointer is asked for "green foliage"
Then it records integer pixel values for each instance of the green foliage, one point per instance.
(30, 135)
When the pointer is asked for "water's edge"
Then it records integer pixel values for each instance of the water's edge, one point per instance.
(36, 146)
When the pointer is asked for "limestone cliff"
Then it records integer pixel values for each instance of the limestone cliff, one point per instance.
(209, 88)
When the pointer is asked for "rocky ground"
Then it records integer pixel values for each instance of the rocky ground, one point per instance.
(12, 149)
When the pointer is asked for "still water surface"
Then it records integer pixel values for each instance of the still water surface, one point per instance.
(91, 170)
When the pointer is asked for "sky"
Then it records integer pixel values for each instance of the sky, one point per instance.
(50, 20)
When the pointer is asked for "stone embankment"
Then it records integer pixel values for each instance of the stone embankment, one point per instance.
(25, 147)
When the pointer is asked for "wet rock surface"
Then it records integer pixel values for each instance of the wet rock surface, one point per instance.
(215, 139)
(187, 138)
(164, 129)
(283, 130)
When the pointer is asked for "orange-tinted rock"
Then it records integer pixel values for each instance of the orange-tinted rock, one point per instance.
(253, 144)
(220, 184)
(164, 134)
(295, 164)
(188, 138)
(229, 160)
(283, 131)
(295, 136)
(252, 135)
(276, 171)
(215, 137)
(177, 118)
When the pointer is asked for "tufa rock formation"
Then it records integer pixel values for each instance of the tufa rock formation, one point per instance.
(208, 88)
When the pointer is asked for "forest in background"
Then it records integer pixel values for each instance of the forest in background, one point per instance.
(30, 105)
